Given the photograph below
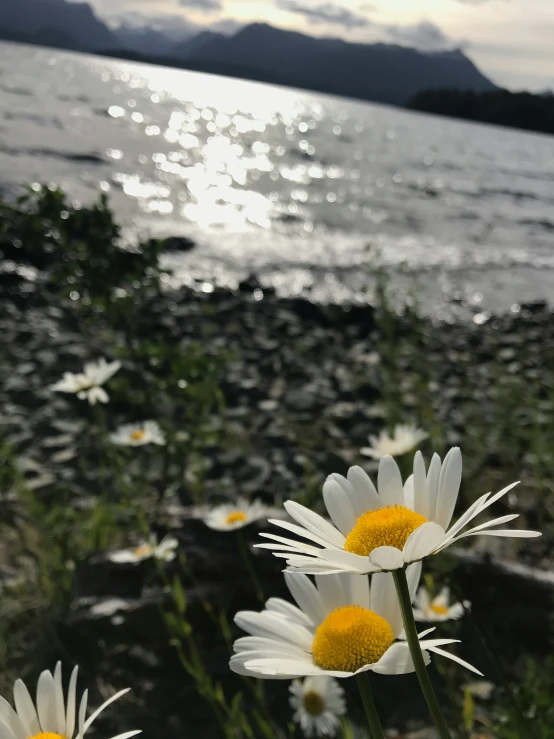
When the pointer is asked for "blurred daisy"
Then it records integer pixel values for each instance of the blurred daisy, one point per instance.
(340, 628)
(405, 437)
(317, 701)
(164, 551)
(381, 531)
(50, 717)
(231, 516)
(438, 609)
(87, 384)
(138, 434)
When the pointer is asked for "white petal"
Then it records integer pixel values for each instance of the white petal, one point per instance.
(273, 626)
(288, 610)
(433, 477)
(339, 506)
(384, 601)
(396, 661)
(386, 559)
(59, 699)
(509, 533)
(423, 541)
(421, 498)
(293, 542)
(366, 497)
(490, 524)
(283, 668)
(413, 575)
(314, 523)
(82, 714)
(347, 561)
(306, 595)
(499, 495)
(389, 482)
(449, 487)
(473, 511)
(260, 644)
(104, 705)
(26, 708)
(46, 702)
(10, 719)
(409, 493)
(237, 665)
(127, 734)
(356, 588)
(454, 658)
(70, 711)
(331, 591)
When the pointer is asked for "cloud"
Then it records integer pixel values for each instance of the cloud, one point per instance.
(325, 13)
(206, 6)
(424, 35)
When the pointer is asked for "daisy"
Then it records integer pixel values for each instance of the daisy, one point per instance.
(50, 717)
(317, 701)
(164, 551)
(341, 628)
(138, 434)
(405, 437)
(382, 531)
(231, 516)
(87, 384)
(438, 609)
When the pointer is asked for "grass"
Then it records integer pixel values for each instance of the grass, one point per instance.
(488, 388)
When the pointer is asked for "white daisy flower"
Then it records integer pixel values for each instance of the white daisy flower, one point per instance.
(405, 437)
(138, 434)
(87, 384)
(317, 701)
(50, 717)
(231, 516)
(439, 608)
(340, 628)
(164, 551)
(383, 531)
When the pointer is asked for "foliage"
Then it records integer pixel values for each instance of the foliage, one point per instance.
(532, 112)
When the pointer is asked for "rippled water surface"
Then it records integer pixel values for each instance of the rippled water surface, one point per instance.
(309, 191)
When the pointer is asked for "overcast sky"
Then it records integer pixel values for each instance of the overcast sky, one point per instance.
(510, 40)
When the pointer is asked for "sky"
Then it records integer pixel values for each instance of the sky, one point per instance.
(509, 40)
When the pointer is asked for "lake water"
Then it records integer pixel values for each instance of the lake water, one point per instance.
(308, 191)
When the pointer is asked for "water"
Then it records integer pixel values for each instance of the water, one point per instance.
(307, 190)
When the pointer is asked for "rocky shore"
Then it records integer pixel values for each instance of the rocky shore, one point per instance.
(304, 385)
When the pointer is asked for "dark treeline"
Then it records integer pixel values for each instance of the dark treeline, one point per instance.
(501, 107)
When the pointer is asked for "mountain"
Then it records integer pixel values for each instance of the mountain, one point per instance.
(193, 47)
(145, 41)
(55, 22)
(381, 72)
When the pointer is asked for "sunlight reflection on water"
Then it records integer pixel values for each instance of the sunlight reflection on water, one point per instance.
(293, 185)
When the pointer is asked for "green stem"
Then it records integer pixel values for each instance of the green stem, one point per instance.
(247, 559)
(375, 728)
(417, 656)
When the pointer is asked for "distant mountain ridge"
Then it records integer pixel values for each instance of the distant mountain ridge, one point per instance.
(76, 23)
(380, 72)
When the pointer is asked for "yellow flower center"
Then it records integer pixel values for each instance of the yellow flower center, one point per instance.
(47, 735)
(313, 703)
(385, 527)
(138, 435)
(236, 517)
(349, 638)
(440, 610)
(142, 550)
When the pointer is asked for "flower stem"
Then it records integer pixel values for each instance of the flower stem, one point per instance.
(417, 656)
(375, 728)
(247, 559)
